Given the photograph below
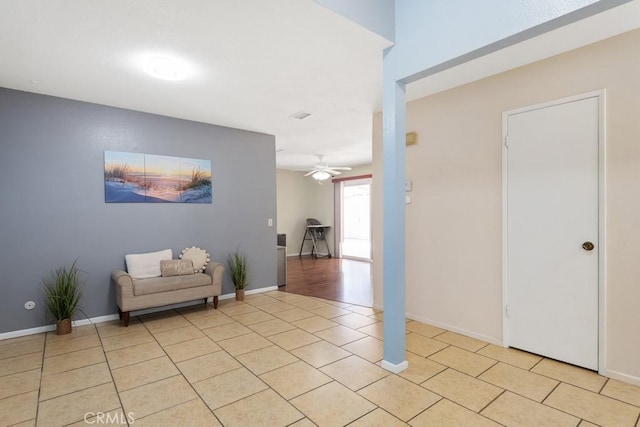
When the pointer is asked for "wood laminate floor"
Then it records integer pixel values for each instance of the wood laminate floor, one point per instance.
(343, 280)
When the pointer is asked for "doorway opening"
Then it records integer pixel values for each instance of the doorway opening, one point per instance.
(355, 219)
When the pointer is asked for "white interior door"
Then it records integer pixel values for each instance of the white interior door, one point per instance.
(551, 213)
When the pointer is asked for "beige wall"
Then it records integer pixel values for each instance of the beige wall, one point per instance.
(454, 223)
(377, 211)
(295, 202)
(300, 197)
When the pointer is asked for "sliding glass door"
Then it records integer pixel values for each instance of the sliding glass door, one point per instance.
(355, 219)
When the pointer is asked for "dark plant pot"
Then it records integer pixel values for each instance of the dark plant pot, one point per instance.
(63, 326)
(239, 294)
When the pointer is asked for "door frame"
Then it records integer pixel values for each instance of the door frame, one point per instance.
(602, 246)
(338, 213)
(353, 181)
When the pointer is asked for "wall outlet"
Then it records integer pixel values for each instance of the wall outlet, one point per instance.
(270, 222)
(29, 305)
(408, 185)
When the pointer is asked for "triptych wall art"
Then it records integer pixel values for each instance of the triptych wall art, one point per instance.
(150, 178)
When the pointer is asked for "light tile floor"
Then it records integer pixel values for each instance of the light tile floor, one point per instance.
(282, 359)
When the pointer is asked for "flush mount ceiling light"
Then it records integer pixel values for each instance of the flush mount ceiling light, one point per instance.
(166, 68)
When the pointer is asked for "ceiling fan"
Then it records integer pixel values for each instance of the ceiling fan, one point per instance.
(322, 171)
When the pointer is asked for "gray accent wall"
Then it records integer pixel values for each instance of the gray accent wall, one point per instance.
(52, 207)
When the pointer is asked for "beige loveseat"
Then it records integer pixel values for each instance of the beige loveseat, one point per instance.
(137, 294)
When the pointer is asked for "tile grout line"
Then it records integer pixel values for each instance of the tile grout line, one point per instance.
(494, 364)
(492, 400)
(303, 361)
(504, 390)
(317, 369)
(578, 386)
(367, 413)
(242, 366)
(44, 349)
(375, 404)
(113, 381)
(180, 373)
(19, 355)
(536, 364)
(472, 377)
(81, 367)
(481, 348)
(482, 380)
(580, 418)
(614, 398)
(314, 333)
(542, 402)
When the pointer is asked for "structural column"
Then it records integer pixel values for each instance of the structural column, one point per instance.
(393, 223)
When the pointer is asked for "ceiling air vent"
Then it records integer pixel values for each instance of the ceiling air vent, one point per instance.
(300, 115)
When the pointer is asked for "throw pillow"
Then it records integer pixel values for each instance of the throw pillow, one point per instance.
(199, 257)
(142, 266)
(176, 267)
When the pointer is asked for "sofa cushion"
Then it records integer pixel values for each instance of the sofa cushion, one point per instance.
(176, 267)
(142, 266)
(200, 258)
(165, 284)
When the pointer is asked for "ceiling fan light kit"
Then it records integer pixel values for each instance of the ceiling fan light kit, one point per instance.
(321, 175)
(322, 171)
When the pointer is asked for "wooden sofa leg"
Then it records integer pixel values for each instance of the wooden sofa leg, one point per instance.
(119, 313)
(205, 301)
(215, 301)
(125, 316)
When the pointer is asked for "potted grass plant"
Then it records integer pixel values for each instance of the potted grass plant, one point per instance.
(62, 292)
(239, 268)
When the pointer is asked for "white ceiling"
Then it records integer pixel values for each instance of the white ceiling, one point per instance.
(581, 33)
(254, 64)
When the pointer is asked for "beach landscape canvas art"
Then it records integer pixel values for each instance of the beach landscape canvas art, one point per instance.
(151, 178)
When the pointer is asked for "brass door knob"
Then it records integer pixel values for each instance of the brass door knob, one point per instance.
(588, 246)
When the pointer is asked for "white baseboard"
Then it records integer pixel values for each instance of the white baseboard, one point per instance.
(448, 327)
(48, 328)
(395, 368)
(461, 331)
(24, 332)
(261, 290)
(99, 319)
(622, 377)
(110, 317)
(248, 292)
